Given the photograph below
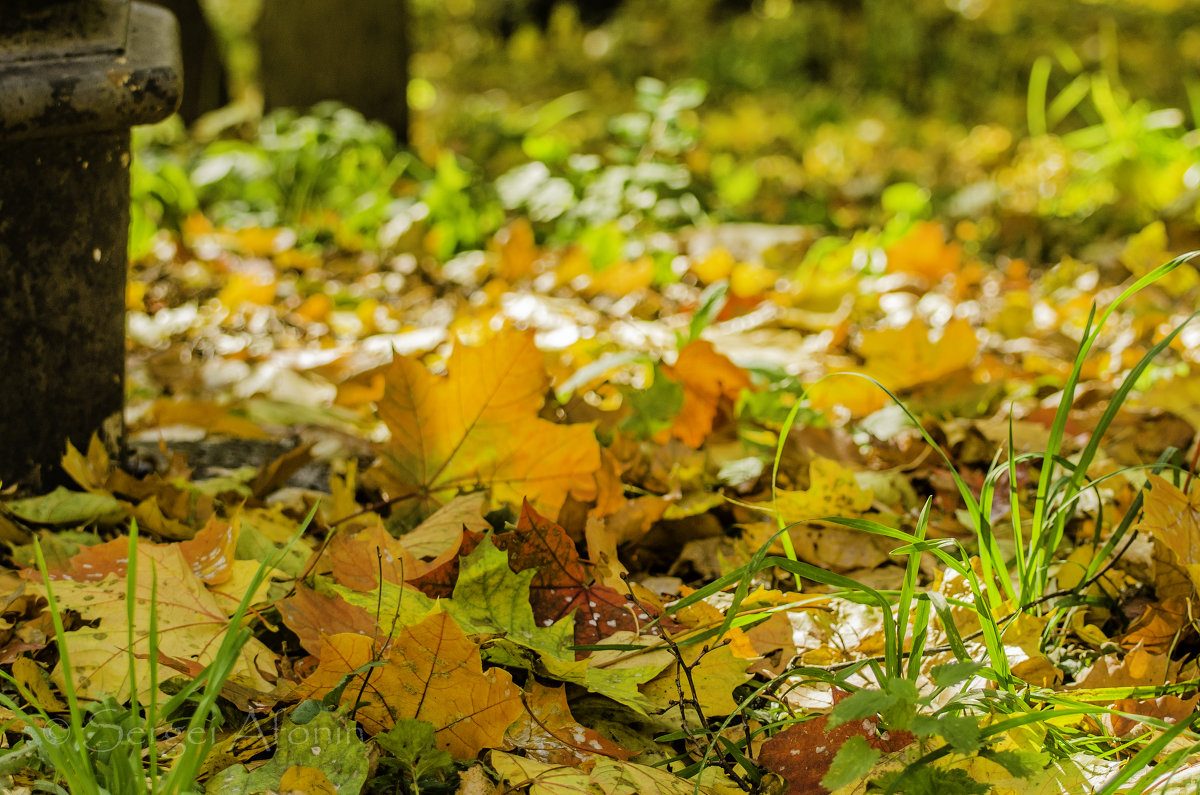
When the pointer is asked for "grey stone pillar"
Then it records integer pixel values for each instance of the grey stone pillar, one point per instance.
(75, 75)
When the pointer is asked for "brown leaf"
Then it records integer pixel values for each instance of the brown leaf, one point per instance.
(274, 474)
(563, 584)
(313, 616)
(360, 559)
(802, 753)
(548, 732)
(1170, 708)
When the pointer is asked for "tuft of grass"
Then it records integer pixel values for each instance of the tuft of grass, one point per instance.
(100, 747)
(1001, 590)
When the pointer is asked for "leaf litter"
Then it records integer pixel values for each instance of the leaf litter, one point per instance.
(549, 493)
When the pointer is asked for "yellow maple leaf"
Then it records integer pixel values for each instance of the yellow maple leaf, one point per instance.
(191, 626)
(1174, 519)
(904, 357)
(715, 674)
(832, 491)
(434, 673)
(478, 428)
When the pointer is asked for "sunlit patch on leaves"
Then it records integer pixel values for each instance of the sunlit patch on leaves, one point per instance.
(902, 358)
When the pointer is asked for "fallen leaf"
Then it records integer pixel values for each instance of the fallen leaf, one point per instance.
(714, 673)
(442, 532)
(65, 507)
(802, 752)
(1174, 518)
(432, 672)
(477, 427)
(490, 598)
(1172, 709)
(321, 756)
(29, 675)
(359, 560)
(711, 383)
(191, 626)
(916, 354)
(547, 731)
(608, 776)
(211, 417)
(209, 554)
(306, 780)
(924, 252)
(517, 250)
(562, 585)
(1159, 628)
(313, 616)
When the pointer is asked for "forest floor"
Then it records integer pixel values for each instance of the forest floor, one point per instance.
(716, 452)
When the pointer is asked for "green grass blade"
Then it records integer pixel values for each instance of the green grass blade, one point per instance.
(1035, 99)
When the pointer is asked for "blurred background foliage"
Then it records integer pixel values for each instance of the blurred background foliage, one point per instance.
(1038, 128)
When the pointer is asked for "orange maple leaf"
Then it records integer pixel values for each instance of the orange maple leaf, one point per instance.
(432, 673)
(707, 378)
(924, 253)
(478, 427)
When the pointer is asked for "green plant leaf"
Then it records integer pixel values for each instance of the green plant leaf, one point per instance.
(324, 743)
(412, 742)
(853, 761)
(953, 673)
(65, 507)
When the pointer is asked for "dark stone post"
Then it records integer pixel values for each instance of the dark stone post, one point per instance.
(353, 51)
(75, 75)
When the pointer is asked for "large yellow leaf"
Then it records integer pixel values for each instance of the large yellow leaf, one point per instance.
(478, 427)
(1173, 518)
(191, 626)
